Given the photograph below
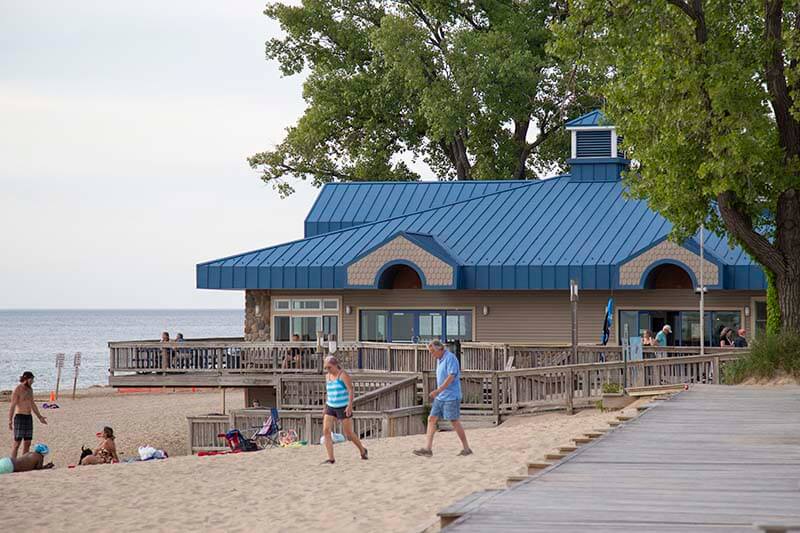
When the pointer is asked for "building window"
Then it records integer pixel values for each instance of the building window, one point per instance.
(459, 325)
(304, 317)
(281, 329)
(760, 317)
(306, 305)
(414, 325)
(373, 326)
(330, 325)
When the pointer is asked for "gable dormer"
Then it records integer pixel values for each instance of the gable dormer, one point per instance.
(595, 155)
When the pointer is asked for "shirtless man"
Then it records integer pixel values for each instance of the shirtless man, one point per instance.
(20, 420)
(30, 461)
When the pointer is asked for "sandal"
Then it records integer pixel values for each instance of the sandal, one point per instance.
(328, 462)
(364, 455)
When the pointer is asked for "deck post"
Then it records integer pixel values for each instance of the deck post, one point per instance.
(385, 426)
(189, 439)
(389, 358)
(495, 397)
(309, 434)
(570, 388)
(416, 357)
(715, 377)
(426, 388)
(505, 357)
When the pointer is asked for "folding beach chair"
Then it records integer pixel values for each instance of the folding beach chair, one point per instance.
(238, 442)
(267, 434)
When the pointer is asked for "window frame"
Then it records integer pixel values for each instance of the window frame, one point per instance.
(319, 313)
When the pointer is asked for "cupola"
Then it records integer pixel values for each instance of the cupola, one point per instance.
(595, 155)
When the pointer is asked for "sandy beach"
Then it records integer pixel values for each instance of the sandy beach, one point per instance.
(279, 489)
(158, 420)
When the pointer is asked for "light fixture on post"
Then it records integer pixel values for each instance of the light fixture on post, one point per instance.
(348, 310)
(485, 310)
(747, 311)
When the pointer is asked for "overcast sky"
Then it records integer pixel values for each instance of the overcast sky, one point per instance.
(124, 128)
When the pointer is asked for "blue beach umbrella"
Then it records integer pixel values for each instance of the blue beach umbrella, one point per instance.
(607, 322)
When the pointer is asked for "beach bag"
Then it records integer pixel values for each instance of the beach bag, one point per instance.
(336, 437)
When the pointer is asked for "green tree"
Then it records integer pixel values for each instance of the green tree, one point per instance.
(466, 86)
(705, 94)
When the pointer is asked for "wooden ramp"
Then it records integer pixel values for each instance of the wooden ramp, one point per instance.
(712, 459)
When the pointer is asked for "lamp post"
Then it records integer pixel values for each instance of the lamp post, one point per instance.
(702, 291)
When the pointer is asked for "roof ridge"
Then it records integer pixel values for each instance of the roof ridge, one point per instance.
(527, 183)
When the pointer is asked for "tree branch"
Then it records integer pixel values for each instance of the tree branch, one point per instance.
(740, 225)
(780, 97)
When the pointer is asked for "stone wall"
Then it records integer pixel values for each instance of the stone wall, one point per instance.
(630, 273)
(256, 315)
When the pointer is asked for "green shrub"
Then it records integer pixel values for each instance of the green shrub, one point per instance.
(773, 307)
(612, 388)
(768, 357)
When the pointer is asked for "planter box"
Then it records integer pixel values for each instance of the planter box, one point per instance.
(616, 400)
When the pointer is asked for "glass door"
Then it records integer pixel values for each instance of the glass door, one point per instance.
(402, 326)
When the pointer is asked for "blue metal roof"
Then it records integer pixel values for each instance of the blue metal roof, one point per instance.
(531, 235)
(592, 118)
(343, 205)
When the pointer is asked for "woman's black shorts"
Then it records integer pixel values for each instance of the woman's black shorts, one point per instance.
(338, 412)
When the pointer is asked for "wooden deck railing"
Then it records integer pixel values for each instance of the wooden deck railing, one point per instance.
(391, 409)
(203, 430)
(306, 392)
(237, 356)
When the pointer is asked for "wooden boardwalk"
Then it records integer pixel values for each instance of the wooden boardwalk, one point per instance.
(712, 459)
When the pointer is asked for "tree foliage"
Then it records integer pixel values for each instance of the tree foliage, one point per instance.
(705, 94)
(467, 86)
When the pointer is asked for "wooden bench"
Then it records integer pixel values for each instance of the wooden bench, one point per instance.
(555, 456)
(582, 440)
(567, 449)
(453, 512)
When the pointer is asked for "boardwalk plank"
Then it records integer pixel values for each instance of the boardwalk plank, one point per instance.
(713, 459)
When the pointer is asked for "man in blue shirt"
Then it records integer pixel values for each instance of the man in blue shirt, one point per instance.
(446, 398)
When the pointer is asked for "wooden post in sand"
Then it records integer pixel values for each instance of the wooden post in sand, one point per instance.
(59, 366)
(77, 363)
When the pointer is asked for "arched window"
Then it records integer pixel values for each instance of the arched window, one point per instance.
(668, 276)
(399, 277)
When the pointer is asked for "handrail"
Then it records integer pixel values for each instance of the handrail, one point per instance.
(377, 393)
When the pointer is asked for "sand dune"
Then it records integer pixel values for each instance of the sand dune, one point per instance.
(278, 490)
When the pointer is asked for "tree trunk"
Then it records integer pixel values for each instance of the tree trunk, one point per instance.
(788, 288)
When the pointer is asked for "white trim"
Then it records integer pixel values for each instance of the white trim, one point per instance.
(574, 144)
(589, 128)
(613, 142)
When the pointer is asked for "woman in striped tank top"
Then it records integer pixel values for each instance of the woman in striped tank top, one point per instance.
(339, 406)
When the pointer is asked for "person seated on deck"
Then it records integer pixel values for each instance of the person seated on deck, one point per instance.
(293, 358)
(106, 453)
(26, 462)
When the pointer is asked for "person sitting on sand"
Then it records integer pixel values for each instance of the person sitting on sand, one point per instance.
(106, 453)
(338, 406)
(26, 462)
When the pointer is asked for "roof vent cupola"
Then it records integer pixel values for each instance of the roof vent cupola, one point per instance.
(595, 156)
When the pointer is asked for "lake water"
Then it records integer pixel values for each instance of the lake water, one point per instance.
(29, 339)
